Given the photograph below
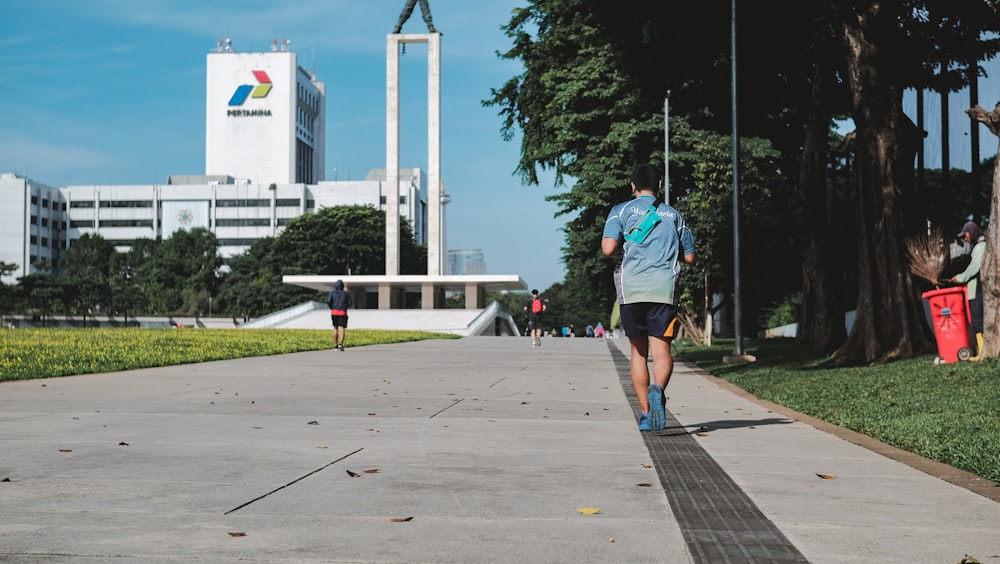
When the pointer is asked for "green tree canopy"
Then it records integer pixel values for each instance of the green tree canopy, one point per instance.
(85, 269)
(339, 240)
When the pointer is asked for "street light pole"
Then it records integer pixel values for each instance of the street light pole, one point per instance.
(737, 306)
(666, 149)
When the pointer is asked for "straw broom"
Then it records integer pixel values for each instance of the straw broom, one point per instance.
(927, 255)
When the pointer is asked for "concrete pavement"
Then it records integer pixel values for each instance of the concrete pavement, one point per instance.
(481, 449)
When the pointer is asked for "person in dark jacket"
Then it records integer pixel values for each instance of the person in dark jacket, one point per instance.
(339, 301)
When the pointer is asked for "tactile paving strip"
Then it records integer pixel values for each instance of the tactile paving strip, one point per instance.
(719, 522)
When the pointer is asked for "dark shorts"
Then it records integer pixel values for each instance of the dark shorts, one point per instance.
(339, 320)
(534, 321)
(645, 319)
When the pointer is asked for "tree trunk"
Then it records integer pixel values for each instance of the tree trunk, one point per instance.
(887, 323)
(821, 321)
(989, 275)
(709, 327)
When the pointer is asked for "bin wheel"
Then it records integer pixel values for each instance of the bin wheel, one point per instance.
(964, 353)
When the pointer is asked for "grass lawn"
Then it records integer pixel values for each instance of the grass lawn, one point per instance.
(945, 412)
(48, 353)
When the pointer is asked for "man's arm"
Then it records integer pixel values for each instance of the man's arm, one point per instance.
(609, 246)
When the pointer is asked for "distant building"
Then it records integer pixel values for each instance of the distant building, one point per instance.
(264, 164)
(33, 221)
(466, 261)
(264, 117)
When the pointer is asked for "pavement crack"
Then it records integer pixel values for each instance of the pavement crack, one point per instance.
(455, 402)
(258, 498)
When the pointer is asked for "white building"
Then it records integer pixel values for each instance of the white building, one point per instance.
(237, 213)
(33, 221)
(264, 117)
(466, 261)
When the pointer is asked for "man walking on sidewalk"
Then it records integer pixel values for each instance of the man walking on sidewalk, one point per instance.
(339, 301)
(651, 239)
(535, 308)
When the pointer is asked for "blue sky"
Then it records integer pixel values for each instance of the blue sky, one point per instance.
(960, 140)
(113, 92)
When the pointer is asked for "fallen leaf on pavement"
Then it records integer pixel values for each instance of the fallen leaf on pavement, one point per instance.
(827, 476)
(313, 423)
(123, 443)
(589, 510)
(65, 450)
(353, 474)
(237, 534)
(371, 471)
(400, 519)
(645, 485)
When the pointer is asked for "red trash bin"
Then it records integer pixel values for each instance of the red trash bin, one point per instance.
(951, 319)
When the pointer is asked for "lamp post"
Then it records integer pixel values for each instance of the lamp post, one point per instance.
(666, 149)
(737, 306)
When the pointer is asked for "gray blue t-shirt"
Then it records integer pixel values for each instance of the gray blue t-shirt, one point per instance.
(648, 270)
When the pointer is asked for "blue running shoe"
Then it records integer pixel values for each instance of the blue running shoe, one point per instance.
(644, 422)
(657, 417)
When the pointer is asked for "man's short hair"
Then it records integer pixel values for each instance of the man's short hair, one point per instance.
(645, 177)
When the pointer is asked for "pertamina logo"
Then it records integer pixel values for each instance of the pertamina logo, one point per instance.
(244, 91)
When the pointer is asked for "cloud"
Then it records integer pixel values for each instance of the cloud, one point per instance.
(22, 155)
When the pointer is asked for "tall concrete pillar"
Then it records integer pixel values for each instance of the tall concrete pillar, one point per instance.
(435, 218)
(433, 188)
(391, 187)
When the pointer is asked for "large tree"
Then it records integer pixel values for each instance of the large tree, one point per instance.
(887, 46)
(179, 274)
(8, 292)
(590, 105)
(340, 240)
(85, 270)
(990, 271)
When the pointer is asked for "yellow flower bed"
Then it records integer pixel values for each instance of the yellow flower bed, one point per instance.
(47, 353)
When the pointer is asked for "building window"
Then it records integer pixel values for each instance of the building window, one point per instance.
(236, 242)
(34, 220)
(81, 204)
(243, 222)
(288, 202)
(45, 242)
(310, 204)
(126, 223)
(81, 223)
(243, 203)
(127, 204)
(45, 222)
(34, 199)
(33, 239)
